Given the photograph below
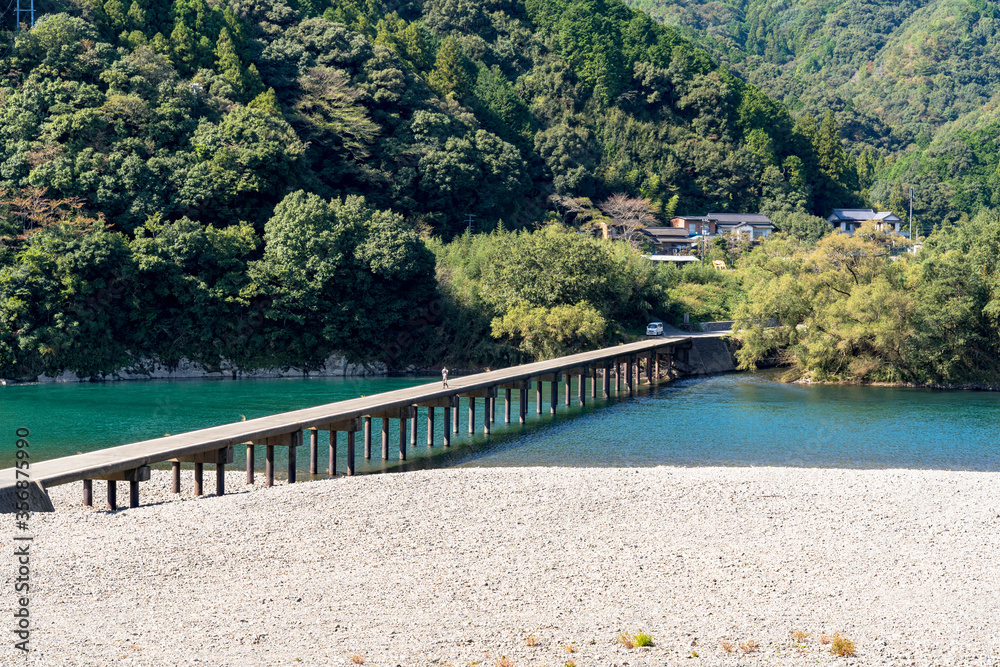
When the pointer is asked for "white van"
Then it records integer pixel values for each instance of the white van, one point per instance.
(654, 329)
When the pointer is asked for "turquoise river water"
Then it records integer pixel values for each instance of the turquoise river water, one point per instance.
(730, 420)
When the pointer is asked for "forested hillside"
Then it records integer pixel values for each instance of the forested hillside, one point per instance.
(260, 180)
(912, 84)
(214, 111)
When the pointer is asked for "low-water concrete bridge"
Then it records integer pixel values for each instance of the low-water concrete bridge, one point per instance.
(214, 446)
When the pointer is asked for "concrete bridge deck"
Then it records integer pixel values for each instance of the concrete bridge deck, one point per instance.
(121, 463)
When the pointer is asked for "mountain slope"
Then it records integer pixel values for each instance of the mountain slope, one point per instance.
(900, 76)
(438, 110)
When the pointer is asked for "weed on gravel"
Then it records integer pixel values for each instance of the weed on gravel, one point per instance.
(841, 646)
(749, 646)
(726, 645)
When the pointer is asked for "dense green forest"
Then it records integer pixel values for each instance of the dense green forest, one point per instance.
(256, 183)
(912, 84)
(270, 182)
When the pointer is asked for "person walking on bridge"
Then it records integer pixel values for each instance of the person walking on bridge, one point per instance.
(444, 376)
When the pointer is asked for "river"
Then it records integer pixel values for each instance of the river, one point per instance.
(745, 419)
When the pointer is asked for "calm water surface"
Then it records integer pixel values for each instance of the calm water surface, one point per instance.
(732, 420)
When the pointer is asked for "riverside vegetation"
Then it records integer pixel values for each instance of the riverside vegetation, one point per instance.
(264, 184)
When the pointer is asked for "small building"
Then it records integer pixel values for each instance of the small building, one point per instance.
(668, 240)
(754, 226)
(849, 219)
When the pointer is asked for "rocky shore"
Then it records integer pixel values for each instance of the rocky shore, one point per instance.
(538, 566)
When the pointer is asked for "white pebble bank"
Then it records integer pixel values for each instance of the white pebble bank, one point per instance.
(460, 566)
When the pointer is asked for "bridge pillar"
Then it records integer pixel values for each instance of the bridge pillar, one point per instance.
(607, 380)
(88, 492)
(538, 396)
(385, 438)
(413, 427)
(487, 414)
(292, 447)
(554, 394)
(331, 464)
(269, 465)
(649, 368)
(402, 438)
(569, 387)
(455, 416)
(629, 374)
(593, 381)
(506, 406)
(220, 480)
(350, 451)
(133, 477)
(313, 451)
(472, 415)
(446, 431)
(581, 387)
(250, 470)
(368, 438)
(430, 426)
(175, 470)
(522, 405)
(199, 474)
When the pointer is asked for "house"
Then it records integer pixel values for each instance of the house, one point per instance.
(754, 226)
(849, 219)
(696, 225)
(668, 240)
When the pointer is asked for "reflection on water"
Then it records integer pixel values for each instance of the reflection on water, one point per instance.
(739, 420)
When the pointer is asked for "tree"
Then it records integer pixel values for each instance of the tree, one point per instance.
(547, 333)
(339, 276)
(629, 215)
(450, 77)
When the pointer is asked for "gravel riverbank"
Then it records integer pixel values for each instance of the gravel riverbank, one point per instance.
(464, 566)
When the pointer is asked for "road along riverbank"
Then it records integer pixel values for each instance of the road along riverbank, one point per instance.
(465, 566)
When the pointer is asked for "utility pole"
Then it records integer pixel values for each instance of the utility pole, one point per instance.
(27, 12)
(468, 222)
(911, 214)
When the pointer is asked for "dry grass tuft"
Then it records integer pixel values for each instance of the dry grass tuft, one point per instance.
(505, 662)
(800, 635)
(842, 646)
(625, 640)
(570, 663)
(749, 646)
(823, 639)
(726, 645)
(569, 648)
(531, 640)
(357, 659)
